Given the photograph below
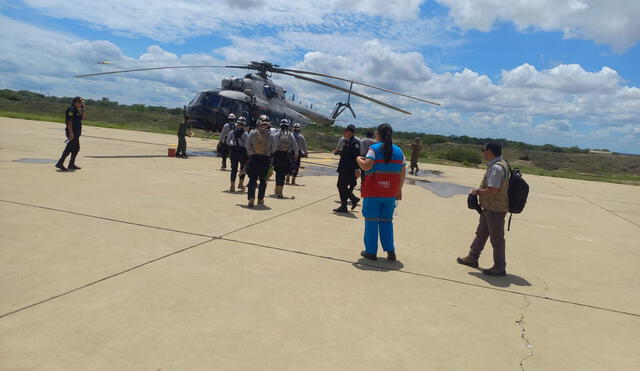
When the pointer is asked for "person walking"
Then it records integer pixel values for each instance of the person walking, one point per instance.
(286, 149)
(385, 169)
(349, 148)
(237, 143)
(260, 146)
(302, 151)
(73, 118)
(223, 149)
(184, 130)
(494, 200)
(416, 148)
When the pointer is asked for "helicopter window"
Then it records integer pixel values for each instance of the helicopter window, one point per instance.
(210, 101)
(228, 106)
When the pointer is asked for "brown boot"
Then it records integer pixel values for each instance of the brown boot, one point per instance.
(279, 191)
(252, 202)
(261, 201)
(469, 261)
(233, 187)
(241, 185)
(498, 269)
(293, 180)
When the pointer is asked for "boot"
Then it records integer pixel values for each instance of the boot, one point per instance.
(279, 191)
(293, 179)
(60, 165)
(354, 203)
(252, 202)
(241, 184)
(366, 255)
(72, 162)
(468, 261)
(341, 209)
(288, 179)
(261, 201)
(391, 255)
(498, 269)
(233, 187)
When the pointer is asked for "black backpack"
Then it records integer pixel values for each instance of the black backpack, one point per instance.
(518, 193)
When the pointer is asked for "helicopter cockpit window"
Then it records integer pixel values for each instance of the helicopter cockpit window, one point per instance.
(228, 106)
(209, 101)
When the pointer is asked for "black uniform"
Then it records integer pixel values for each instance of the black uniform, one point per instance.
(183, 129)
(347, 171)
(73, 146)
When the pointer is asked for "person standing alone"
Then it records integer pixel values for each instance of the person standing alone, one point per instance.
(494, 200)
(73, 118)
(385, 167)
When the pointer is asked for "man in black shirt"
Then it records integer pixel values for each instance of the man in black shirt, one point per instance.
(349, 148)
(73, 118)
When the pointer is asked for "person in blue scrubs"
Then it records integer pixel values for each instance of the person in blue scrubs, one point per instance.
(385, 168)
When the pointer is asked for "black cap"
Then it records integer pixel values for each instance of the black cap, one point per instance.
(351, 128)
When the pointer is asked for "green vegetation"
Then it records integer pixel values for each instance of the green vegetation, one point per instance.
(548, 160)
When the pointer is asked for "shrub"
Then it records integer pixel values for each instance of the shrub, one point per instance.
(462, 155)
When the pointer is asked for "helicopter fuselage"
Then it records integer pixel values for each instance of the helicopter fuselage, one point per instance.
(251, 96)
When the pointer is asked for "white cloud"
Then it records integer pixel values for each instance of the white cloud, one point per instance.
(168, 20)
(613, 22)
(564, 105)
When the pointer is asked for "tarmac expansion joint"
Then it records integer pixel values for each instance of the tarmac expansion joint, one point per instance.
(523, 333)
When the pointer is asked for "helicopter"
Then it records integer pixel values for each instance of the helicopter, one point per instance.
(256, 94)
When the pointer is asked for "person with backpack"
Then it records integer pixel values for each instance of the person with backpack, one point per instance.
(237, 144)
(286, 150)
(222, 148)
(385, 167)
(260, 145)
(494, 201)
(302, 152)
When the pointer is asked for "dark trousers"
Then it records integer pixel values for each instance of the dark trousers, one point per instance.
(258, 170)
(346, 184)
(238, 159)
(296, 166)
(491, 226)
(281, 165)
(73, 147)
(182, 146)
(223, 151)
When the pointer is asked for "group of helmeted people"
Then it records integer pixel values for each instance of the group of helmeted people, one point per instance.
(255, 151)
(378, 162)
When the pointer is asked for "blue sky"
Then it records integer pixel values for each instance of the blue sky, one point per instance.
(563, 72)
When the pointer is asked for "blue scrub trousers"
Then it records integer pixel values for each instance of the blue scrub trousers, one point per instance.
(378, 219)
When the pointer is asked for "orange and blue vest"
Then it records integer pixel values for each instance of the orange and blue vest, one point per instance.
(383, 180)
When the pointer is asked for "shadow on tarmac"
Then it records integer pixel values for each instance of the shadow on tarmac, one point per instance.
(256, 207)
(380, 265)
(506, 281)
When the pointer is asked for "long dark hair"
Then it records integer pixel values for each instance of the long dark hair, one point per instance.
(385, 132)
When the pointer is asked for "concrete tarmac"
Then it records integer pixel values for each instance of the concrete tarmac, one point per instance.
(144, 262)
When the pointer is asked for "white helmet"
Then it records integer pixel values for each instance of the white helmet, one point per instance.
(297, 126)
(264, 119)
(242, 121)
(231, 116)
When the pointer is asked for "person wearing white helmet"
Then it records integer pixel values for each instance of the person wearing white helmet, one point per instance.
(302, 151)
(223, 149)
(260, 147)
(286, 150)
(237, 143)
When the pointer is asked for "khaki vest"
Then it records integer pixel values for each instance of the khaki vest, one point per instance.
(262, 141)
(500, 201)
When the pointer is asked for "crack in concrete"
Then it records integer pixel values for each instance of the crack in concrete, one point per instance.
(523, 332)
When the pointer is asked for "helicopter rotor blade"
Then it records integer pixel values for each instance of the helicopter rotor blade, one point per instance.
(354, 82)
(347, 91)
(147, 69)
